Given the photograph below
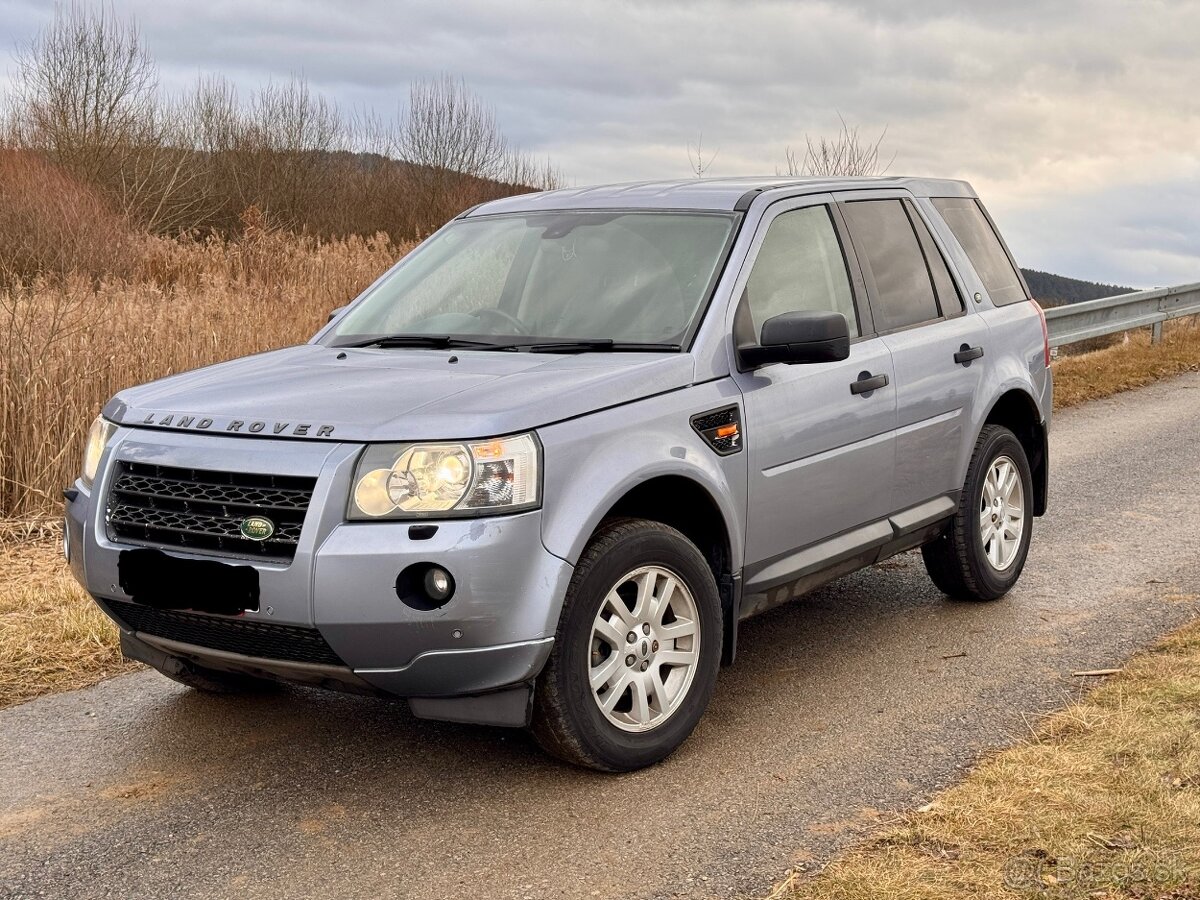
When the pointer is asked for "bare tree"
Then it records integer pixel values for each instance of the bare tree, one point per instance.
(844, 154)
(699, 165)
(446, 126)
(85, 89)
(85, 95)
(452, 144)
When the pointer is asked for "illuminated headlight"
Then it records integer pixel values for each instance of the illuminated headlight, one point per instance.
(98, 437)
(403, 481)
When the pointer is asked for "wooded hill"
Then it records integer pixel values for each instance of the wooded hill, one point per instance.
(1058, 290)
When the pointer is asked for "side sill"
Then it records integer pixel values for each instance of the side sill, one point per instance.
(797, 573)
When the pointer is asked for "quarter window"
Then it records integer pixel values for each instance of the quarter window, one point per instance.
(977, 237)
(888, 248)
(800, 266)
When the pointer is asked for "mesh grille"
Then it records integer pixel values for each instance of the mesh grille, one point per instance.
(203, 510)
(289, 643)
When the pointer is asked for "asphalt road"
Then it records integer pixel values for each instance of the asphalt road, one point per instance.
(864, 697)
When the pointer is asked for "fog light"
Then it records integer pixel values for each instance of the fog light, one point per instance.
(425, 586)
(438, 584)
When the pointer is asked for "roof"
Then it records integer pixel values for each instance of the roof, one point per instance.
(712, 193)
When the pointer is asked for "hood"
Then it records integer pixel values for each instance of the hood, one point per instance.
(324, 393)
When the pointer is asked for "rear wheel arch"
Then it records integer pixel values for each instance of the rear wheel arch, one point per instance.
(1017, 411)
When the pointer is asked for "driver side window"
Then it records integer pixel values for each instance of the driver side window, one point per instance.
(800, 267)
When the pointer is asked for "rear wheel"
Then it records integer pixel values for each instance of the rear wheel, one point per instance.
(638, 647)
(982, 553)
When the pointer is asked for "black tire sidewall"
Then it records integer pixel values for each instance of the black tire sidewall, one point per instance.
(612, 747)
(1001, 442)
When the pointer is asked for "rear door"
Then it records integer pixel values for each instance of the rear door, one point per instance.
(938, 348)
(820, 455)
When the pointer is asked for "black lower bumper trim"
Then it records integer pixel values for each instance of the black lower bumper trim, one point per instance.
(265, 640)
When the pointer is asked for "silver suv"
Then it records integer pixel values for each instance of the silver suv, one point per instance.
(540, 470)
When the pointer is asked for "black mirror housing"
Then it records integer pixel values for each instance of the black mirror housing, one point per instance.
(333, 315)
(800, 337)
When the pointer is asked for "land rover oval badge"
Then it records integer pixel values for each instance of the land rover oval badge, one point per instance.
(257, 528)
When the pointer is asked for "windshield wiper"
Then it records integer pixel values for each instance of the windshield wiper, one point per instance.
(566, 345)
(436, 341)
(601, 345)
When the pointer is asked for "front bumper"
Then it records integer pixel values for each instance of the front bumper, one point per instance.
(495, 631)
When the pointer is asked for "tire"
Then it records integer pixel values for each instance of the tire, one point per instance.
(628, 559)
(211, 681)
(959, 562)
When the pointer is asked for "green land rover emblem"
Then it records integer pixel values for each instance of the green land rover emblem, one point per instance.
(257, 528)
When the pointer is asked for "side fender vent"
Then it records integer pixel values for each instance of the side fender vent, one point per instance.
(721, 429)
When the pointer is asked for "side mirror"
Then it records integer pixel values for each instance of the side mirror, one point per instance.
(333, 315)
(800, 337)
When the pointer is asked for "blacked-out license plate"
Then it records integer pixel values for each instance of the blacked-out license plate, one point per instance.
(157, 579)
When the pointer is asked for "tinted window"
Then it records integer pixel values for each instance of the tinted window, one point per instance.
(978, 239)
(800, 267)
(949, 299)
(887, 245)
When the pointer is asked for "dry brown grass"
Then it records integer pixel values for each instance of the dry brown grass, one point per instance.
(1131, 364)
(52, 636)
(67, 345)
(1103, 802)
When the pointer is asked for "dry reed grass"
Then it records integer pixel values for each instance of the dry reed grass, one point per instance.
(1130, 364)
(52, 636)
(68, 344)
(1103, 802)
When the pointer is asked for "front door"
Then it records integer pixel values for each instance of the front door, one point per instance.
(821, 451)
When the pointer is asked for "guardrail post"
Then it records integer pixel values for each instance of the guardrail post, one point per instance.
(1156, 333)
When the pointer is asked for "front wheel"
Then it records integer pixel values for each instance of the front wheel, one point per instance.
(636, 656)
(982, 553)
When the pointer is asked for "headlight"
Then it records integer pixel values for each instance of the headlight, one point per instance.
(98, 437)
(402, 481)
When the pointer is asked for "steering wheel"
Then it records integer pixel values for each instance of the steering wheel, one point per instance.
(500, 316)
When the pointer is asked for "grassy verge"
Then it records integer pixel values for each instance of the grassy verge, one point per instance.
(52, 637)
(1102, 802)
(1090, 376)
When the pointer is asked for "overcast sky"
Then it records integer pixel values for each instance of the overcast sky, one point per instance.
(1078, 122)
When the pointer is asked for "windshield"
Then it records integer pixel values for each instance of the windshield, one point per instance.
(625, 277)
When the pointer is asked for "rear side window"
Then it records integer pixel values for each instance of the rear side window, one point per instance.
(977, 237)
(886, 244)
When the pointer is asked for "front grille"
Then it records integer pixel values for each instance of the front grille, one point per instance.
(202, 510)
(288, 643)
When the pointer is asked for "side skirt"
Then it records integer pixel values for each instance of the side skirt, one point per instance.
(770, 584)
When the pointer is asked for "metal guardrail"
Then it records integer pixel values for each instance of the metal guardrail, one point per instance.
(1111, 315)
